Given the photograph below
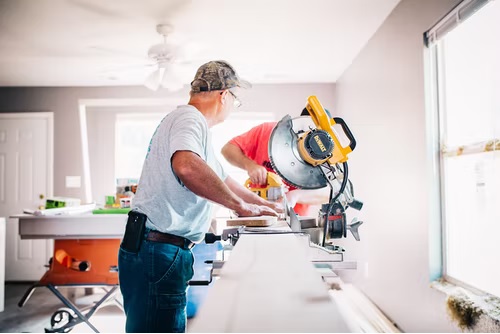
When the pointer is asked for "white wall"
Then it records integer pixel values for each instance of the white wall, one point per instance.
(381, 97)
(279, 99)
(3, 233)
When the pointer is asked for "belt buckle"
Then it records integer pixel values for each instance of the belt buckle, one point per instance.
(188, 244)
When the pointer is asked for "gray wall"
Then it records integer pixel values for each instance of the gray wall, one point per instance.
(381, 97)
(279, 99)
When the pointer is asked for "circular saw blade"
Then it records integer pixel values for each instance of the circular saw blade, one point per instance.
(285, 158)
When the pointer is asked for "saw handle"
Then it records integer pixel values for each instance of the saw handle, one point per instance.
(322, 121)
(250, 185)
(347, 131)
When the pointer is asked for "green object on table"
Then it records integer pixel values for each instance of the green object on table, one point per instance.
(111, 211)
(110, 200)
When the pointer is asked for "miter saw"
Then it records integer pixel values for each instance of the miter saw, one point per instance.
(307, 153)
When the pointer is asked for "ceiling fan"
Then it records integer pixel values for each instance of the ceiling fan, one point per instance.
(166, 57)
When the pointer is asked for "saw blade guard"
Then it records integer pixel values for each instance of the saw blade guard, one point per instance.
(285, 156)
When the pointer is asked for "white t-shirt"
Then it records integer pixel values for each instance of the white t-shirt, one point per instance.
(170, 206)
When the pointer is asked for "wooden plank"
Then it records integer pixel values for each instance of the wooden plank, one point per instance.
(268, 285)
(262, 221)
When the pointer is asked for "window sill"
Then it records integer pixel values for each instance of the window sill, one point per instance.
(472, 311)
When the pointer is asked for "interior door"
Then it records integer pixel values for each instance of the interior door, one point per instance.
(26, 148)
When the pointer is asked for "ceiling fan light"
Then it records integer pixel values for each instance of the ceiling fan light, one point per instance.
(159, 50)
(153, 80)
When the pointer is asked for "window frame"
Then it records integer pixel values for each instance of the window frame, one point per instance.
(436, 114)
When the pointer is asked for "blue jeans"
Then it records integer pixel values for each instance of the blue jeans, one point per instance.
(153, 283)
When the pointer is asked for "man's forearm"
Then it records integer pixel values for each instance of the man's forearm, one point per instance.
(198, 177)
(235, 156)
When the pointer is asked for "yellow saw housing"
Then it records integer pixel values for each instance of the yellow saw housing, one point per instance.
(327, 146)
(272, 191)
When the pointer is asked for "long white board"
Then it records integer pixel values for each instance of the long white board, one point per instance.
(268, 285)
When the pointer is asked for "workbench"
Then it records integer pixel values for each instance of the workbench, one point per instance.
(86, 238)
(86, 226)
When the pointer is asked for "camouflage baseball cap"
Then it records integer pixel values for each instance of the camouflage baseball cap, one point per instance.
(217, 75)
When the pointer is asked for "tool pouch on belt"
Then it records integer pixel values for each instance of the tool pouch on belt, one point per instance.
(134, 232)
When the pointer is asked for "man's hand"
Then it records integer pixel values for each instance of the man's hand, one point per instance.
(235, 156)
(291, 197)
(252, 210)
(257, 174)
(250, 197)
(276, 206)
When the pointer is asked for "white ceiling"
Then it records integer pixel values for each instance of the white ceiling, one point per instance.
(105, 42)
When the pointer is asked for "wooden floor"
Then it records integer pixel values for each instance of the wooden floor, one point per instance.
(35, 315)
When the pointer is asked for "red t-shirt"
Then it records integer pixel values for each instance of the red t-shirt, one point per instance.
(254, 144)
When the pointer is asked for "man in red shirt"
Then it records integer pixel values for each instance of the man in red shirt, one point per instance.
(249, 151)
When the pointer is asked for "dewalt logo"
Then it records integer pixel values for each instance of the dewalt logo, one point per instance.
(320, 143)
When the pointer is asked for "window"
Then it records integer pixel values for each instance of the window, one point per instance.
(465, 53)
(132, 135)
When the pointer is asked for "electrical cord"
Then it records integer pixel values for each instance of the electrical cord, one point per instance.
(342, 186)
(341, 190)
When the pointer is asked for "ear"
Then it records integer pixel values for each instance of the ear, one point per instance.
(223, 97)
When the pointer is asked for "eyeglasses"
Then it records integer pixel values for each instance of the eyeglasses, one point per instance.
(237, 102)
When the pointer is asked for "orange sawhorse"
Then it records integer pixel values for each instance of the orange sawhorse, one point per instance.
(101, 256)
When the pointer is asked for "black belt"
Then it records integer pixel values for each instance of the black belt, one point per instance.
(167, 238)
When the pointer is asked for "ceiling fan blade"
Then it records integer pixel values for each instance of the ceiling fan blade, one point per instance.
(153, 80)
(114, 53)
(172, 80)
(171, 84)
(189, 52)
(129, 67)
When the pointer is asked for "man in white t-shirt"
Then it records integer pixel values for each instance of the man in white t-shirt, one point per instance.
(180, 180)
